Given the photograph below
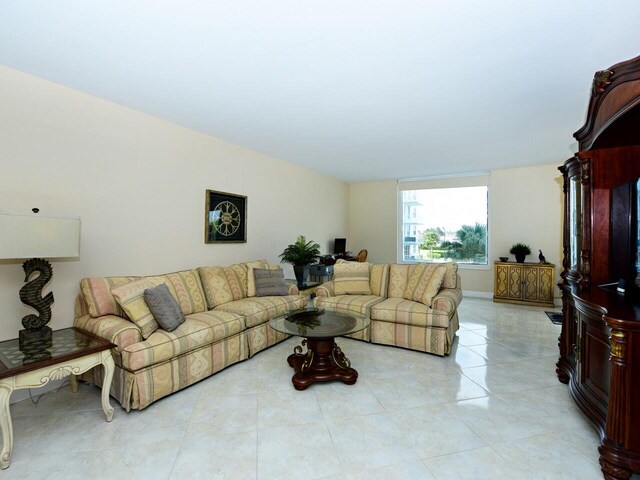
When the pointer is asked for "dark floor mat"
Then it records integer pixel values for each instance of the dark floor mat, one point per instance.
(555, 317)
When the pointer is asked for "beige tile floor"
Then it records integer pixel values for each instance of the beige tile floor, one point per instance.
(493, 409)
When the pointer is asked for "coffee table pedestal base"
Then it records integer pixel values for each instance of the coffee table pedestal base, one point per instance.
(322, 362)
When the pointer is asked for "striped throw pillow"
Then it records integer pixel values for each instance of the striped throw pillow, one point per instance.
(425, 283)
(97, 294)
(130, 297)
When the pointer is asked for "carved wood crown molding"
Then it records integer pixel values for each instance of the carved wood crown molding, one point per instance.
(604, 84)
(601, 80)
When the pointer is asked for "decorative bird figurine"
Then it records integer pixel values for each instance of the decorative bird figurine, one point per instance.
(541, 257)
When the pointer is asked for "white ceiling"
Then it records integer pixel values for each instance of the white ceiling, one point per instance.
(361, 90)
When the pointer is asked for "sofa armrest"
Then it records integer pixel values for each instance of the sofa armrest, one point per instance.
(326, 290)
(293, 289)
(447, 300)
(110, 327)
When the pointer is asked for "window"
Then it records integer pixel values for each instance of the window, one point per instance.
(445, 224)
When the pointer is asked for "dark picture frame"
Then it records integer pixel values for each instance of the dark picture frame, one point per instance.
(225, 217)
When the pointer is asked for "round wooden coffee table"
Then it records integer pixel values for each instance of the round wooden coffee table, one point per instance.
(323, 361)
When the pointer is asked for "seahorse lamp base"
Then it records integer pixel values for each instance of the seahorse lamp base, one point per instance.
(35, 340)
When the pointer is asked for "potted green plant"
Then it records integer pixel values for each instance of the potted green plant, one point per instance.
(520, 251)
(301, 254)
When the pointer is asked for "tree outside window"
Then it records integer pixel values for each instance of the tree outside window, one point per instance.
(448, 224)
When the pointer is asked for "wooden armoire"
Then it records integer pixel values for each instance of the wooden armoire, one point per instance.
(600, 339)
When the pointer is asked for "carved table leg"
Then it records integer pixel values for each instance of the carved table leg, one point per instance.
(5, 425)
(109, 367)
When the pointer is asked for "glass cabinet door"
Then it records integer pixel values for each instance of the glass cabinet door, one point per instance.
(575, 222)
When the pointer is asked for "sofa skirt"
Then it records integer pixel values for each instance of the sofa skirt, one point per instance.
(137, 390)
(263, 336)
(364, 334)
(434, 340)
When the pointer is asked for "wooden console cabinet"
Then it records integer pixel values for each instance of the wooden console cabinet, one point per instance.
(600, 338)
(524, 283)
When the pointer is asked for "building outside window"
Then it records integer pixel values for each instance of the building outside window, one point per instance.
(445, 224)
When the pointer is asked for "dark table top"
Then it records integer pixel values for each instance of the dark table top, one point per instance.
(312, 323)
(65, 344)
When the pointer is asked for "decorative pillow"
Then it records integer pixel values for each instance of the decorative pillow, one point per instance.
(351, 278)
(97, 293)
(251, 283)
(164, 307)
(130, 297)
(269, 282)
(425, 283)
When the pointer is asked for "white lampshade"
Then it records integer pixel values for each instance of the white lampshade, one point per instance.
(31, 236)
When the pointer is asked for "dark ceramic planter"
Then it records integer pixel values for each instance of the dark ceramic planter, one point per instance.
(302, 273)
(520, 258)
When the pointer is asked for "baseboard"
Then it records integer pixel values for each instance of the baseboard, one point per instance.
(470, 293)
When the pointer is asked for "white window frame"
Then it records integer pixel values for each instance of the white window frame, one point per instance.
(441, 182)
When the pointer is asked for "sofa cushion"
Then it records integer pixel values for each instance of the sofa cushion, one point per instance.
(424, 283)
(269, 282)
(257, 310)
(351, 278)
(399, 275)
(199, 330)
(354, 303)
(379, 278)
(408, 312)
(164, 307)
(224, 284)
(451, 275)
(97, 294)
(130, 297)
(188, 291)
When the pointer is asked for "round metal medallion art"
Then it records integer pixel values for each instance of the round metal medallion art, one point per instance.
(227, 218)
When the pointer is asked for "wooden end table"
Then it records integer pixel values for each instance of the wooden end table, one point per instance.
(70, 352)
(323, 361)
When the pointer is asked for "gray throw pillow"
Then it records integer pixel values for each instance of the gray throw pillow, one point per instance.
(164, 307)
(270, 282)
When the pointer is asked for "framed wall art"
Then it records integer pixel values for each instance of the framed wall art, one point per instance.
(225, 218)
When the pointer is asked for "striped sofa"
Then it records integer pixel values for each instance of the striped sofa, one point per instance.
(396, 320)
(224, 325)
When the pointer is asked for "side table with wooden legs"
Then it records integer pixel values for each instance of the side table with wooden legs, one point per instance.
(70, 352)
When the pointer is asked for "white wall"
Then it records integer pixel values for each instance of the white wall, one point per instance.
(525, 206)
(138, 183)
(373, 220)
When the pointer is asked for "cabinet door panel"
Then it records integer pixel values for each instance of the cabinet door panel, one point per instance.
(594, 371)
(515, 281)
(545, 292)
(532, 282)
(502, 281)
(597, 371)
